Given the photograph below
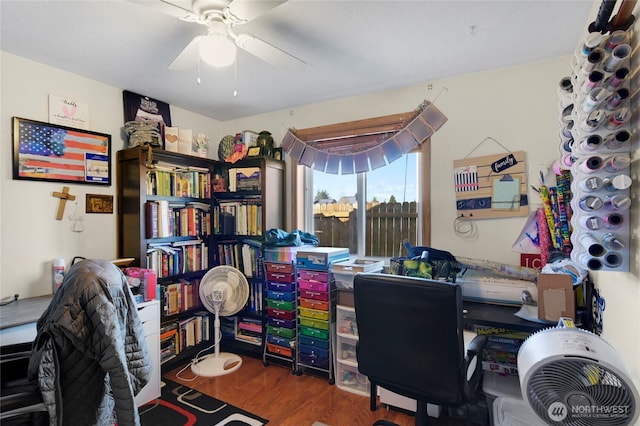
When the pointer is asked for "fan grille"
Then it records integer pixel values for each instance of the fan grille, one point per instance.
(589, 393)
(233, 285)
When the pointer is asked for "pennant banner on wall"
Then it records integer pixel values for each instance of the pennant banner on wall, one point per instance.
(392, 144)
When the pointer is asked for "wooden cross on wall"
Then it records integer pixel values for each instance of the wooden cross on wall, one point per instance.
(64, 196)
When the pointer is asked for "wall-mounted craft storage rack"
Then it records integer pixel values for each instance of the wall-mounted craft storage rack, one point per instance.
(596, 139)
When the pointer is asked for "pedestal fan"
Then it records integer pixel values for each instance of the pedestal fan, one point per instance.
(224, 291)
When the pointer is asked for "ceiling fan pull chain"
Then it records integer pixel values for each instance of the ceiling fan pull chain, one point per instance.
(198, 65)
(235, 77)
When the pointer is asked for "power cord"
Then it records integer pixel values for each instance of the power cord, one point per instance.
(15, 297)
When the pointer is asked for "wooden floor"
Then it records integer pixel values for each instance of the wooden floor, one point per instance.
(274, 393)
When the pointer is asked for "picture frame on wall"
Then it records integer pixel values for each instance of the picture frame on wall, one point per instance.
(55, 153)
(278, 153)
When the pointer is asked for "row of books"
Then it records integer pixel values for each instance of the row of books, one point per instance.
(164, 219)
(244, 255)
(245, 329)
(170, 181)
(238, 218)
(179, 335)
(180, 296)
(178, 257)
(500, 352)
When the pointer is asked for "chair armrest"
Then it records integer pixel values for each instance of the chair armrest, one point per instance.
(475, 346)
(20, 403)
(473, 365)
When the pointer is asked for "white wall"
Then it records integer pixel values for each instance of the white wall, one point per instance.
(30, 236)
(517, 106)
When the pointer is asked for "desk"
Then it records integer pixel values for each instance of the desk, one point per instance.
(500, 316)
(18, 324)
(18, 319)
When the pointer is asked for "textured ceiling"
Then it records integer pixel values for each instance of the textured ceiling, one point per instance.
(350, 47)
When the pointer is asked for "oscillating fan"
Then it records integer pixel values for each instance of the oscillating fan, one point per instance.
(224, 291)
(573, 377)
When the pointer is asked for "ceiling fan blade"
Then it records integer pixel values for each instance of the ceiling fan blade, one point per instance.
(168, 8)
(248, 10)
(269, 53)
(188, 58)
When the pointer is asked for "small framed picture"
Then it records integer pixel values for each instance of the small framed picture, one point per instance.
(277, 153)
(254, 151)
(97, 203)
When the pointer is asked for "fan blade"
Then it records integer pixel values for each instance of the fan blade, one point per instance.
(188, 58)
(232, 278)
(269, 53)
(169, 8)
(248, 10)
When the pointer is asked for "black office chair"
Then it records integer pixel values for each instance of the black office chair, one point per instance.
(20, 399)
(411, 341)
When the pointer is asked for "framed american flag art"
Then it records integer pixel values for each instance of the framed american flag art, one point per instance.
(50, 152)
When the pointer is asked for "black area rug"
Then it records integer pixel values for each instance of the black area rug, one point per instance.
(180, 405)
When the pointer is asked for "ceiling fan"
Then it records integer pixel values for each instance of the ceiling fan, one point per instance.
(217, 46)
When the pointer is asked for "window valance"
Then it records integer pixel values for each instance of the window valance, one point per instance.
(363, 145)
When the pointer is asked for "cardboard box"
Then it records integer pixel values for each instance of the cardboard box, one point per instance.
(555, 297)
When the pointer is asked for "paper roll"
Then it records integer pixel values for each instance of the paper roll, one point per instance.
(545, 236)
(618, 54)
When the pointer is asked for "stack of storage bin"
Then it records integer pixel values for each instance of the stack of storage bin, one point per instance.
(347, 376)
(317, 296)
(281, 311)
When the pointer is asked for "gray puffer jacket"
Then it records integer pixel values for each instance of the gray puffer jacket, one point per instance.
(90, 355)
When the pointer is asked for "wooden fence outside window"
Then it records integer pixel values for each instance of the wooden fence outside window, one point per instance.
(388, 225)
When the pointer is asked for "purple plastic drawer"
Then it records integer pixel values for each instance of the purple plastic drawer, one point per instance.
(315, 361)
(281, 322)
(313, 285)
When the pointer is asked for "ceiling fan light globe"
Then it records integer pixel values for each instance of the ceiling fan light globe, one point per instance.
(217, 50)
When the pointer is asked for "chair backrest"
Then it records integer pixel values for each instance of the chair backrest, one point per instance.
(411, 336)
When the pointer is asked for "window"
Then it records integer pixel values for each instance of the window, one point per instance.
(391, 196)
(371, 219)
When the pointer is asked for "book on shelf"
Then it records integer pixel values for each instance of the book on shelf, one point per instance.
(151, 219)
(174, 219)
(169, 345)
(178, 257)
(173, 181)
(246, 337)
(249, 329)
(164, 229)
(180, 296)
(238, 217)
(206, 324)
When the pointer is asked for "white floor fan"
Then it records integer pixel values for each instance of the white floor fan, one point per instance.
(224, 291)
(571, 377)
